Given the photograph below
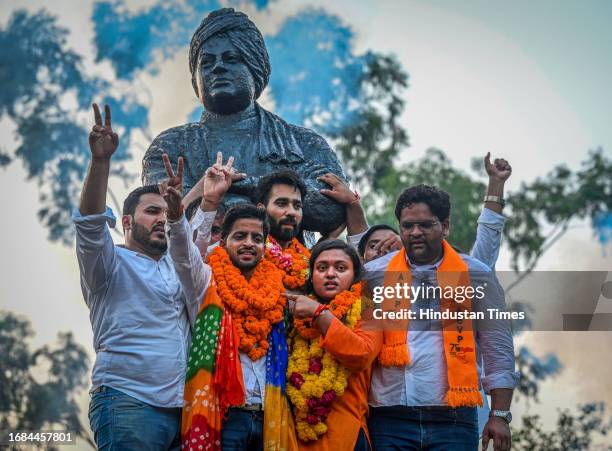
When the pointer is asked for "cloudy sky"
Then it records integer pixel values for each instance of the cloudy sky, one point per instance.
(528, 81)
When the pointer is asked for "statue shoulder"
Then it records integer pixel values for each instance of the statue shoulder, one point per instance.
(172, 139)
(306, 137)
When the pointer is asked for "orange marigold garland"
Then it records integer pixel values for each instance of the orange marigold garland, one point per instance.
(314, 377)
(256, 304)
(293, 261)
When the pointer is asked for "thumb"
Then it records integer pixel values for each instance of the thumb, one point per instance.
(485, 438)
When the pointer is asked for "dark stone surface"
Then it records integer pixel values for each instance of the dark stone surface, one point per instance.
(230, 68)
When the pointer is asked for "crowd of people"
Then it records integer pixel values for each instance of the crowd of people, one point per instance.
(216, 327)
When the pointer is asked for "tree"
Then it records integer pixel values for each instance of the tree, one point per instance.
(574, 431)
(26, 402)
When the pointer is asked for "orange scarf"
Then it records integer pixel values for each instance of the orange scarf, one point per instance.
(256, 304)
(459, 345)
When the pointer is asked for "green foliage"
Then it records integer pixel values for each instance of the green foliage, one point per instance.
(555, 200)
(573, 432)
(370, 145)
(26, 402)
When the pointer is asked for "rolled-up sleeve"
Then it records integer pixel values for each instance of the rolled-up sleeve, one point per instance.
(201, 224)
(95, 248)
(494, 337)
(193, 273)
(488, 237)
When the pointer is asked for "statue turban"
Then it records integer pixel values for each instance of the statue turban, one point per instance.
(243, 34)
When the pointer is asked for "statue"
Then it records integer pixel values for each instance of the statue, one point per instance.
(230, 68)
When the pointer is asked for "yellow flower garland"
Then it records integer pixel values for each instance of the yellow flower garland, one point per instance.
(332, 377)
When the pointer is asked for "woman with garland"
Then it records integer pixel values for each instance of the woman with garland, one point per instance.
(331, 353)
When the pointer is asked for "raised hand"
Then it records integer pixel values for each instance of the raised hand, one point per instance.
(499, 170)
(102, 140)
(340, 192)
(218, 179)
(172, 188)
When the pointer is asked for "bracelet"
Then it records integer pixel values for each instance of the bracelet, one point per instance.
(320, 309)
(356, 199)
(495, 199)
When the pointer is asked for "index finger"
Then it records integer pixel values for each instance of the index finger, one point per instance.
(230, 162)
(107, 116)
(328, 178)
(167, 165)
(219, 159)
(179, 172)
(97, 116)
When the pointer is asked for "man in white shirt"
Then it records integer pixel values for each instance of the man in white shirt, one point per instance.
(410, 402)
(140, 318)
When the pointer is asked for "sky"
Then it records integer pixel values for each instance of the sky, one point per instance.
(528, 81)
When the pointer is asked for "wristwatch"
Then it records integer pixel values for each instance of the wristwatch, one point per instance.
(503, 414)
(496, 199)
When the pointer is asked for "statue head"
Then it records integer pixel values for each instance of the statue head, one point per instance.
(229, 62)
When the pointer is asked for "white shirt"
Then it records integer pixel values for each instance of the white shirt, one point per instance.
(140, 318)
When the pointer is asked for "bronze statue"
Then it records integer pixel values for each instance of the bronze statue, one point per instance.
(230, 68)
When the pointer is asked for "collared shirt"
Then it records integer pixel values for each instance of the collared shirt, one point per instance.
(195, 277)
(140, 318)
(423, 382)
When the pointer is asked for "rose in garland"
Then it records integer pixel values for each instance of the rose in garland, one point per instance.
(315, 378)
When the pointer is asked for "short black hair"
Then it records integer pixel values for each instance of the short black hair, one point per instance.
(131, 201)
(436, 199)
(327, 245)
(244, 211)
(190, 211)
(283, 177)
(364, 239)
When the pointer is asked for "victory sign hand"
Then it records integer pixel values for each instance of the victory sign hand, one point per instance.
(218, 179)
(171, 189)
(102, 140)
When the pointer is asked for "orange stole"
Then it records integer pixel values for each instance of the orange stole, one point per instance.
(459, 344)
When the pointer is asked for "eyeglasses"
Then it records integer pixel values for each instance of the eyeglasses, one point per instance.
(424, 226)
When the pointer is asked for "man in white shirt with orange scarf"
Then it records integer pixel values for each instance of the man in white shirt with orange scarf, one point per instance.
(425, 386)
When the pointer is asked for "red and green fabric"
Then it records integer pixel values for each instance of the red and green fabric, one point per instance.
(214, 381)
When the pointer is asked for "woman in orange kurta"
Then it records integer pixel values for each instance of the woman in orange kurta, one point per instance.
(331, 353)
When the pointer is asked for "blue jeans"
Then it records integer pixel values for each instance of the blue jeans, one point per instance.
(242, 430)
(423, 428)
(120, 422)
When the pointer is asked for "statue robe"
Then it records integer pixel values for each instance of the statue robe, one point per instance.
(261, 143)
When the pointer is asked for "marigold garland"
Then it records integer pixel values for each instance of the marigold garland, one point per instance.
(256, 304)
(314, 378)
(293, 261)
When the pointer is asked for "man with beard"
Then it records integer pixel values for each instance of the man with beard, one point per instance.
(140, 318)
(238, 359)
(281, 194)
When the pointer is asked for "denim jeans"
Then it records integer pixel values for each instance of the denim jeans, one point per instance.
(120, 422)
(242, 430)
(423, 428)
